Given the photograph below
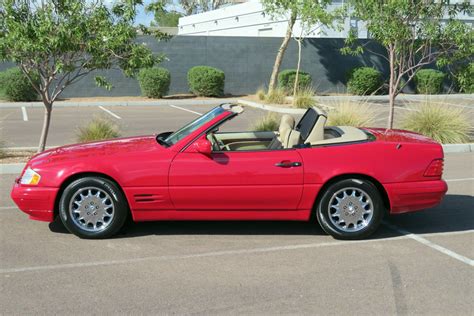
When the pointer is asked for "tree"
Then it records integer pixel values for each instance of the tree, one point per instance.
(415, 34)
(309, 12)
(164, 16)
(62, 41)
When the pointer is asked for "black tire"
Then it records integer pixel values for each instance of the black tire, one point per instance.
(113, 196)
(326, 215)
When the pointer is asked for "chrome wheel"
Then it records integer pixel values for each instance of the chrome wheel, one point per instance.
(350, 209)
(91, 209)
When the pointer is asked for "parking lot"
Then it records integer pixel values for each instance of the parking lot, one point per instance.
(21, 126)
(420, 263)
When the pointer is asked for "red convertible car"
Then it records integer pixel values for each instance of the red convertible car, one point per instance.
(345, 178)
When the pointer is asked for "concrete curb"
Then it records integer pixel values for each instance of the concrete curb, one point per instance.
(11, 168)
(270, 107)
(16, 168)
(120, 103)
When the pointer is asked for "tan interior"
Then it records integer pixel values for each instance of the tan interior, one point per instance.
(288, 136)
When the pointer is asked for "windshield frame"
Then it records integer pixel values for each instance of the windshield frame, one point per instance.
(192, 127)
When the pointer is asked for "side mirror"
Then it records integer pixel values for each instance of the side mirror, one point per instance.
(203, 146)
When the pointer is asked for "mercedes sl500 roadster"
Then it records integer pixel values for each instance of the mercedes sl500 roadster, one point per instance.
(345, 178)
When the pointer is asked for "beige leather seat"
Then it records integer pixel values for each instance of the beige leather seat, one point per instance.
(317, 133)
(287, 123)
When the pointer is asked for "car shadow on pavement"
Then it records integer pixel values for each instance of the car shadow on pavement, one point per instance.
(456, 213)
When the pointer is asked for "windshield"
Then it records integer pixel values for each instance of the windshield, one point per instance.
(194, 125)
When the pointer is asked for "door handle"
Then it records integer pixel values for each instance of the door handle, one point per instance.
(288, 164)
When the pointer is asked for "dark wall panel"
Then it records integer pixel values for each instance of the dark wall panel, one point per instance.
(246, 61)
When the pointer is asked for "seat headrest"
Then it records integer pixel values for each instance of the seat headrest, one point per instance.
(286, 122)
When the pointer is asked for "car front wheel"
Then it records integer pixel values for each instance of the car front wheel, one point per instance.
(350, 209)
(93, 207)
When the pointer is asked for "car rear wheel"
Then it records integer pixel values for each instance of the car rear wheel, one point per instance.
(350, 209)
(93, 207)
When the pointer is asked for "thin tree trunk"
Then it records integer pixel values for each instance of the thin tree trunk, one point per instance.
(295, 86)
(392, 90)
(281, 51)
(44, 133)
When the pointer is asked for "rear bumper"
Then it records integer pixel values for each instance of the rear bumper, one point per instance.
(37, 202)
(413, 196)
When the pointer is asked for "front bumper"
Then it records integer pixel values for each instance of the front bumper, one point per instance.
(37, 202)
(412, 196)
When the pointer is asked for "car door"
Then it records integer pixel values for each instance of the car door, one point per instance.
(237, 180)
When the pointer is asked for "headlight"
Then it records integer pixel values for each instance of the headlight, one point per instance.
(30, 177)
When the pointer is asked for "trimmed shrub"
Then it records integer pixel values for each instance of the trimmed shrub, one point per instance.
(429, 81)
(276, 96)
(154, 82)
(305, 98)
(351, 113)
(98, 129)
(440, 122)
(269, 122)
(286, 80)
(206, 81)
(364, 81)
(16, 86)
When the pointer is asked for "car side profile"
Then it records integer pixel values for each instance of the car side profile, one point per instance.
(345, 178)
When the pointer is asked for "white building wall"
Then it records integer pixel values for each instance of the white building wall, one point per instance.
(249, 19)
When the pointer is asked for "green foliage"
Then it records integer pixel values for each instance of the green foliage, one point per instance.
(309, 12)
(206, 81)
(63, 41)
(364, 81)
(305, 98)
(429, 81)
(98, 129)
(16, 87)
(440, 122)
(276, 96)
(464, 77)
(286, 80)
(154, 82)
(269, 122)
(163, 16)
(350, 113)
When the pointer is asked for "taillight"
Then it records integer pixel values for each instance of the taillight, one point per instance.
(435, 169)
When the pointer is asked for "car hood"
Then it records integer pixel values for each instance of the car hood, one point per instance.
(100, 149)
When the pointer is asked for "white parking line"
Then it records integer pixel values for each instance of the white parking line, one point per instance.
(25, 114)
(110, 112)
(7, 207)
(462, 179)
(187, 110)
(432, 245)
(210, 254)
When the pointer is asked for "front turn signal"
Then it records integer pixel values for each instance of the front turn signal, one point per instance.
(30, 177)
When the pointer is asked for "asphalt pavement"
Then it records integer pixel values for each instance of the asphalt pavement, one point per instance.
(419, 263)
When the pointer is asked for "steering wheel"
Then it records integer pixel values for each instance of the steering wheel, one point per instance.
(215, 142)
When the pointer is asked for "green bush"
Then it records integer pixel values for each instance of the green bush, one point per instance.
(154, 82)
(364, 81)
(269, 122)
(261, 94)
(16, 86)
(286, 80)
(206, 81)
(464, 78)
(440, 122)
(98, 129)
(429, 81)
